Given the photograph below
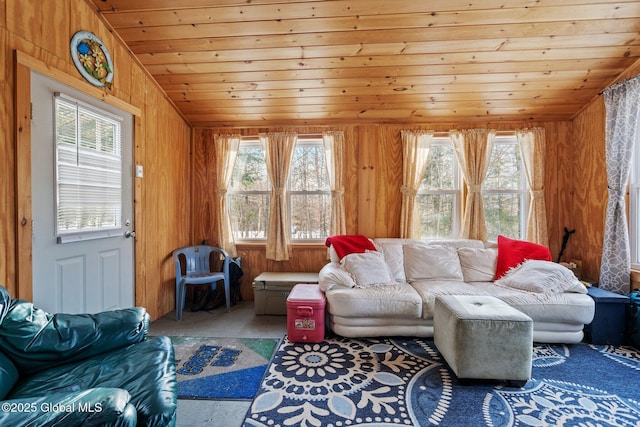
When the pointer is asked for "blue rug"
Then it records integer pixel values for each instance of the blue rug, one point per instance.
(221, 368)
(405, 382)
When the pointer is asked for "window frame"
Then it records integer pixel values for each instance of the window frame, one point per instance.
(306, 140)
(524, 190)
(251, 142)
(302, 139)
(64, 235)
(457, 191)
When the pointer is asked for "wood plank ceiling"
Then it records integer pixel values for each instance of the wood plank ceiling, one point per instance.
(276, 62)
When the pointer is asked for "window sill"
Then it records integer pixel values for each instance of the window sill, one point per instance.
(256, 245)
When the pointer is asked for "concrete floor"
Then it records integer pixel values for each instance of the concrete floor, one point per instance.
(240, 323)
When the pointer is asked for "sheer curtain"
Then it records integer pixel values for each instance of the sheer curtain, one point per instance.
(532, 149)
(278, 148)
(415, 153)
(621, 102)
(473, 150)
(333, 152)
(226, 151)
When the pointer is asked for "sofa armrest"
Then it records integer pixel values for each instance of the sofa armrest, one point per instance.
(332, 275)
(34, 339)
(96, 406)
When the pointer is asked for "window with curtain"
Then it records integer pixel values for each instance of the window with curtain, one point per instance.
(505, 194)
(439, 195)
(308, 192)
(88, 171)
(249, 193)
(634, 206)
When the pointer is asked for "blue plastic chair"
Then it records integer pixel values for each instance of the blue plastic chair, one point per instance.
(197, 271)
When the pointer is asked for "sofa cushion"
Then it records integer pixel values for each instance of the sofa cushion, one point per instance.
(367, 269)
(478, 264)
(92, 407)
(429, 290)
(8, 375)
(394, 257)
(542, 278)
(564, 309)
(396, 301)
(146, 370)
(512, 252)
(34, 339)
(459, 243)
(332, 275)
(432, 262)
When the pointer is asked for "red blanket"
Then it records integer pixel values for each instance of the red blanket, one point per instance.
(349, 244)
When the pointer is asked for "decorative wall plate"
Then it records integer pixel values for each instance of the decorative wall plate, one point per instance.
(92, 59)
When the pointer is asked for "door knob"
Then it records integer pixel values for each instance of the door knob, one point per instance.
(128, 234)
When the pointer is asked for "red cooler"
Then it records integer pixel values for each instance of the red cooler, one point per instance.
(305, 313)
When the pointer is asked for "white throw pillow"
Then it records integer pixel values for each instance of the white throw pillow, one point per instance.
(393, 256)
(367, 269)
(431, 262)
(478, 265)
(333, 256)
(333, 274)
(541, 277)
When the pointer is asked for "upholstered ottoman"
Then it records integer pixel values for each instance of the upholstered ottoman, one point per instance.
(482, 337)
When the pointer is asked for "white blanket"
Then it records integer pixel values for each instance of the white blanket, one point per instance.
(542, 278)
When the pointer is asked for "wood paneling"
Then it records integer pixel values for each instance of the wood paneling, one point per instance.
(589, 184)
(558, 184)
(41, 32)
(373, 176)
(166, 213)
(7, 183)
(239, 63)
(21, 286)
(459, 65)
(305, 259)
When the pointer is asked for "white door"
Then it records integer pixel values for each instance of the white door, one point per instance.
(81, 272)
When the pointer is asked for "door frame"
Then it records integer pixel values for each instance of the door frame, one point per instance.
(23, 66)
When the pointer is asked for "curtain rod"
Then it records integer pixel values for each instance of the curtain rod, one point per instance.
(498, 133)
(302, 135)
(617, 83)
(435, 133)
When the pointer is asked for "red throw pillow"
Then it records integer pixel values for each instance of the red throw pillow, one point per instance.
(513, 252)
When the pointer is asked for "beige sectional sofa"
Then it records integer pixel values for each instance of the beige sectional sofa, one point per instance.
(392, 291)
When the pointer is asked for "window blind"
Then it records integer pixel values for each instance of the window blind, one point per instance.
(88, 171)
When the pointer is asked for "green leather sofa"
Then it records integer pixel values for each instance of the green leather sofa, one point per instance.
(84, 369)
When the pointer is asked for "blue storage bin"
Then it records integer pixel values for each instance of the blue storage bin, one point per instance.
(633, 319)
(609, 322)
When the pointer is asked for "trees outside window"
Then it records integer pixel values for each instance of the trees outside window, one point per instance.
(504, 191)
(309, 195)
(438, 198)
(249, 193)
(309, 191)
(88, 169)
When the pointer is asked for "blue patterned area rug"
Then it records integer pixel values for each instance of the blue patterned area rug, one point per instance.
(405, 382)
(221, 368)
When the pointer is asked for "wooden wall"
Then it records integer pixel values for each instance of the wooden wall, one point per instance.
(589, 184)
(174, 201)
(589, 193)
(373, 167)
(42, 30)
